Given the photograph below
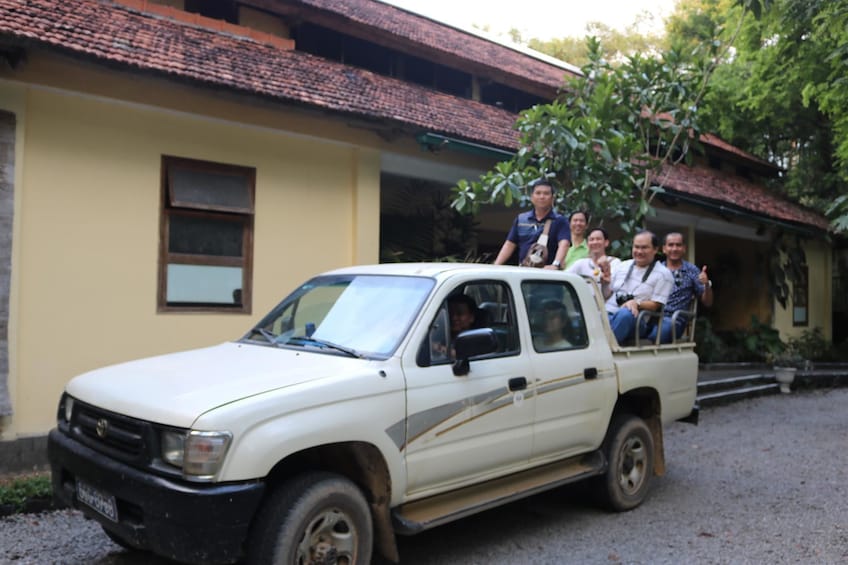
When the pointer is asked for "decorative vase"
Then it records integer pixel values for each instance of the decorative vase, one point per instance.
(784, 376)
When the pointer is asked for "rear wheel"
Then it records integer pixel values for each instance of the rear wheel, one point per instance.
(629, 449)
(314, 519)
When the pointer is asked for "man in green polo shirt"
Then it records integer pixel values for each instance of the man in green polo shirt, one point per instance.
(578, 222)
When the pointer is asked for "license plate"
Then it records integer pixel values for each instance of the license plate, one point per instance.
(97, 500)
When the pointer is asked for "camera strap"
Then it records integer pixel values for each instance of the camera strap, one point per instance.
(647, 271)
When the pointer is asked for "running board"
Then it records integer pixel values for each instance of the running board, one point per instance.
(427, 513)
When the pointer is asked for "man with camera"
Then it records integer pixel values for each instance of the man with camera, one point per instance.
(640, 283)
(528, 226)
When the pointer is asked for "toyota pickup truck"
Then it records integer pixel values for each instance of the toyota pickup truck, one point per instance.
(351, 414)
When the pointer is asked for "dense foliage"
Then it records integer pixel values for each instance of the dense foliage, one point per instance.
(779, 93)
(782, 94)
(619, 44)
(605, 140)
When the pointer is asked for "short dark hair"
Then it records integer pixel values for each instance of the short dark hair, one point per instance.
(463, 299)
(584, 212)
(655, 241)
(682, 237)
(600, 229)
(542, 182)
(553, 305)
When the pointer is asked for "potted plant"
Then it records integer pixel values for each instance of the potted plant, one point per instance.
(785, 364)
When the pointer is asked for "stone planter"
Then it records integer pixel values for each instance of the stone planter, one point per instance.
(785, 376)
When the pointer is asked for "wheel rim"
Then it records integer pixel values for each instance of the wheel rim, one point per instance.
(633, 464)
(329, 539)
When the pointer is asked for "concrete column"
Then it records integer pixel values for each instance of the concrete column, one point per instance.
(7, 207)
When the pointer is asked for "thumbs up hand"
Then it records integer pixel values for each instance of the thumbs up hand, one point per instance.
(702, 276)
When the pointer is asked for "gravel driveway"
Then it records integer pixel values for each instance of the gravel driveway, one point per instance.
(758, 481)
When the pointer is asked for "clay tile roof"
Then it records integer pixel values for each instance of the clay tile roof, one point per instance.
(719, 143)
(733, 191)
(445, 42)
(120, 35)
(126, 38)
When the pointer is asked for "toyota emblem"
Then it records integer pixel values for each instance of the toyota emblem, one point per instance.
(102, 427)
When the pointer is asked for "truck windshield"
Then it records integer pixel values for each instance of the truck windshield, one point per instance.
(356, 315)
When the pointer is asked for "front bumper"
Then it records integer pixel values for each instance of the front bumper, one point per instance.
(180, 520)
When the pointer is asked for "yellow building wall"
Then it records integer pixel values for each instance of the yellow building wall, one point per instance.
(87, 233)
(820, 303)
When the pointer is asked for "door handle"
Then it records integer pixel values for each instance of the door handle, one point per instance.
(590, 373)
(517, 383)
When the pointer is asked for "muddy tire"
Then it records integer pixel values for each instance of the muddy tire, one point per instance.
(629, 448)
(313, 518)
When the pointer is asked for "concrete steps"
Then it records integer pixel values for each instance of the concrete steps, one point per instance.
(729, 389)
(724, 383)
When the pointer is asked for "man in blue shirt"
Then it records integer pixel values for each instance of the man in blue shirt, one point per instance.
(690, 283)
(528, 226)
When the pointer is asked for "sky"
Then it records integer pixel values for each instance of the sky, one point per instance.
(542, 19)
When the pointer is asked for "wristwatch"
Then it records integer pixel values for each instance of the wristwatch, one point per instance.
(556, 263)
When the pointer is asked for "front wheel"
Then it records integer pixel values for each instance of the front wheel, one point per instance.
(317, 518)
(630, 454)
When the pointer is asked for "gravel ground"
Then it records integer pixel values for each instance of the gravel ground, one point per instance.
(758, 481)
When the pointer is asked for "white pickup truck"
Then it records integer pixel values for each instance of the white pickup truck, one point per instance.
(350, 414)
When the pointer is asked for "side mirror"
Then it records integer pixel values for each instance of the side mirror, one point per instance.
(472, 343)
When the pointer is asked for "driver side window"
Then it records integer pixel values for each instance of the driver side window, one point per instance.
(478, 304)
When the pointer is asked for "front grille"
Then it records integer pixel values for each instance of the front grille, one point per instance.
(120, 437)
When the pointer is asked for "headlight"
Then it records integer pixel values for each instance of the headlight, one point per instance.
(200, 454)
(66, 409)
(173, 447)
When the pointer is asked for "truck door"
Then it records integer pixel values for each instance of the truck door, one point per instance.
(573, 376)
(464, 427)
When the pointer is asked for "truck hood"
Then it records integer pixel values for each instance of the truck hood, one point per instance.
(175, 389)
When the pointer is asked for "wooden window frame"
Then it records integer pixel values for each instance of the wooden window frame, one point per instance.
(244, 216)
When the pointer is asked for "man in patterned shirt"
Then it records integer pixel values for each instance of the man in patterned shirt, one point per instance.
(690, 283)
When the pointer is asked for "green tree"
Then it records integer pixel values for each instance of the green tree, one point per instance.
(618, 44)
(782, 95)
(606, 139)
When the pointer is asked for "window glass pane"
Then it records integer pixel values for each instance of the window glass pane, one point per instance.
(373, 313)
(204, 284)
(214, 190)
(205, 236)
(368, 313)
(800, 297)
(556, 320)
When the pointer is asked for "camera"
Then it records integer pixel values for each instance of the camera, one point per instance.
(621, 298)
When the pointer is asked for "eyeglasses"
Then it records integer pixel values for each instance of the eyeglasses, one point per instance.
(678, 277)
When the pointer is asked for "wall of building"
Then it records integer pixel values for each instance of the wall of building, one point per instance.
(820, 304)
(85, 285)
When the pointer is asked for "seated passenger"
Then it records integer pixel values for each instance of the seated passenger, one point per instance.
(551, 321)
(598, 265)
(690, 283)
(641, 283)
